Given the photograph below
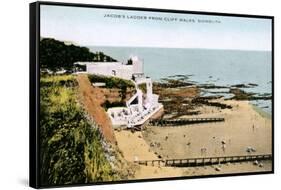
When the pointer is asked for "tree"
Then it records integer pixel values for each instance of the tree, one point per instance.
(56, 55)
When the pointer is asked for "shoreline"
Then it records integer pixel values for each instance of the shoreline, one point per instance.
(262, 112)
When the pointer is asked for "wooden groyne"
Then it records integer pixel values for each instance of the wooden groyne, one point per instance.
(179, 122)
(189, 162)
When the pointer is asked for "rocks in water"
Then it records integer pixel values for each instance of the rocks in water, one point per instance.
(249, 85)
(237, 91)
(242, 95)
(173, 83)
(205, 101)
(252, 84)
(211, 86)
(180, 77)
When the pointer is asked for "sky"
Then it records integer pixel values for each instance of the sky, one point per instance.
(109, 27)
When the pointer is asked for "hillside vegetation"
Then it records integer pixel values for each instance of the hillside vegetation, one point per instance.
(113, 82)
(56, 55)
(71, 148)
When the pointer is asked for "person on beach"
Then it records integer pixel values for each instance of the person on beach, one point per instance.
(223, 148)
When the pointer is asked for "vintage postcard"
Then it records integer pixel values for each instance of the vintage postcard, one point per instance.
(144, 94)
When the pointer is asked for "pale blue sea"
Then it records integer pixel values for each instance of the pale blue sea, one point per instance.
(205, 66)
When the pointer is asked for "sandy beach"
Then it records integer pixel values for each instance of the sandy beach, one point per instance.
(243, 128)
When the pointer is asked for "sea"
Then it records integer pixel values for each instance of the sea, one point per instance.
(205, 66)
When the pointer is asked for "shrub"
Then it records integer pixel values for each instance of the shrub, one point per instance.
(70, 147)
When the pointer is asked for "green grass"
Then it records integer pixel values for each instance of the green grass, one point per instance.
(70, 147)
(111, 82)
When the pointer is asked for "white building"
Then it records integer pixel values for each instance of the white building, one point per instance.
(142, 105)
(116, 69)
